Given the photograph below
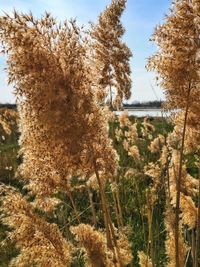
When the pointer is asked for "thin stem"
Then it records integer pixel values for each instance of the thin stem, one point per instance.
(197, 261)
(193, 250)
(104, 208)
(141, 214)
(151, 239)
(188, 254)
(110, 234)
(74, 207)
(150, 249)
(90, 194)
(168, 182)
(111, 100)
(178, 183)
(119, 207)
(118, 210)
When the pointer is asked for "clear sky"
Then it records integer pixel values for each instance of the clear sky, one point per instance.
(139, 19)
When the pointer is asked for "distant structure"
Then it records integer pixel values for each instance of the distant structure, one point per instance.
(9, 106)
(149, 104)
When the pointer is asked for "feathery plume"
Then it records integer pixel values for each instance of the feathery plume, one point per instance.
(111, 56)
(40, 243)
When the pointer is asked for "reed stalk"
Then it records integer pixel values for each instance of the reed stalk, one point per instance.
(197, 260)
(110, 233)
(90, 194)
(179, 179)
(69, 194)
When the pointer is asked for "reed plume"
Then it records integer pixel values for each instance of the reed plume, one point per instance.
(177, 66)
(111, 56)
(40, 243)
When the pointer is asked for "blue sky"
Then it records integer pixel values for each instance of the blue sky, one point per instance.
(139, 19)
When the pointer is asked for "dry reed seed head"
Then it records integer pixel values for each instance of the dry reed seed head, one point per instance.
(110, 60)
(92, 181)
(127, 130)
(124, 120)
(189, 187)
(174, 138)
(124, 247)
(40, 243)
(192, 141)
(170, 241)
(129, 135)
(192, 138)
(46, 204)
(197, 161)
(189, 184)
(131, 173)
(132, 133)
(144, 260)
(188, 210)
(94, 242)
(170, 249)
(176, 61)
(126, 145)
(147, 125)
(8, 121)
(119, 134)
(164, 157)
(147, 129)
(156, 145)
(134, 152)
(154, 171)
(48, 65)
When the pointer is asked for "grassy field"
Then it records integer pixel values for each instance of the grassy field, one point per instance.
(8, 166)
(133, 194)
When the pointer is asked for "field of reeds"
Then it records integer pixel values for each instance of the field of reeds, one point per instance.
(133, 185)
(80, 186)
(141, 183)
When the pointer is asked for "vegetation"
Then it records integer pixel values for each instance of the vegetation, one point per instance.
(128, 182)
(177, 63)
(83, 187)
